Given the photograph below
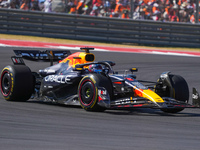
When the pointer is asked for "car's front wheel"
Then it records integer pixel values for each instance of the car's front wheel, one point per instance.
(88, 91)
(177, 88)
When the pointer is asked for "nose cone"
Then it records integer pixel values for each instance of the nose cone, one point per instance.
(149, 94)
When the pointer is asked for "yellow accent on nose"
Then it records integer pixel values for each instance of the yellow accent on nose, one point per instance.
(152, 96)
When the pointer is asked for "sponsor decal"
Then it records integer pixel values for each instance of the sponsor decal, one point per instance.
(128, 100)
(58, 78)
(102, 92)
(49, 70)
(195, 96)
(17, 60)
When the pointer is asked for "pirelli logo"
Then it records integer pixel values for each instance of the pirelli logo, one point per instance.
(17, 60)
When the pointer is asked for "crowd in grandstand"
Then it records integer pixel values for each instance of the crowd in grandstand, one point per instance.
(157, 10)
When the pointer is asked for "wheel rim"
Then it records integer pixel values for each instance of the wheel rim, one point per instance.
(87, 93)
(5, 83)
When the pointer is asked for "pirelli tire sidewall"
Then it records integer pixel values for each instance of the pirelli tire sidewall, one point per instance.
(17, 83)
(90, 84)
(177, 88)
(180, 91)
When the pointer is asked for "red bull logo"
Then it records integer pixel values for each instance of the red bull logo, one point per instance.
(76, 58)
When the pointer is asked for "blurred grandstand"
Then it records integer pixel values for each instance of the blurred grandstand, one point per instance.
(186, 11)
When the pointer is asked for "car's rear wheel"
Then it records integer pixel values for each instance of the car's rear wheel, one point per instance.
(177, 89)
(88, 91)
(16, 83)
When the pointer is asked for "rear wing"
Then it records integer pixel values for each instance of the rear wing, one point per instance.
(37, 55)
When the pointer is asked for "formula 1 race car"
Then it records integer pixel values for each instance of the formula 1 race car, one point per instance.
(79, 80)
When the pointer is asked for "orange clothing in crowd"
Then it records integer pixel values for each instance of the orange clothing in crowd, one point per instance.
(146, 1)
(154, 9)
(79, 5)
(174, 19)
(117, 1)
(24, 6)
(118, 8)
(125, 16)
(192, 19)
(146, 12)
(179, 3)
(167, 10)
(199, 16)
(72, 10)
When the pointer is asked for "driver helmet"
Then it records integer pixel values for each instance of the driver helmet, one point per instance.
(96, 68)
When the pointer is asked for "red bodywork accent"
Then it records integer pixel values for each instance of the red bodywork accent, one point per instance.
(139, 105)
(100, 99)
(16, 60)
(130, 79)
(138, 92)
(117, 82)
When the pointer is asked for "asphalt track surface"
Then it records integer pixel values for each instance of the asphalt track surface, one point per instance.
(34, 125)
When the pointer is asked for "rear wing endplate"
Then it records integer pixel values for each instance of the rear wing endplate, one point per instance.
(17, 60)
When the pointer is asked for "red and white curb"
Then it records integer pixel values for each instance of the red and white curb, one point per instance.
(32, 44)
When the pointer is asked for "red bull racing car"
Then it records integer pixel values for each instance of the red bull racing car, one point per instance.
(79, 80)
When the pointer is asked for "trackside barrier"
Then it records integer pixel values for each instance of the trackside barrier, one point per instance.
(79, 27)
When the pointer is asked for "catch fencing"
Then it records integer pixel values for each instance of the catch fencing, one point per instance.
(100, 29)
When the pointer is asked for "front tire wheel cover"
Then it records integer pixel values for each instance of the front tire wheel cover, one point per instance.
(87, 93)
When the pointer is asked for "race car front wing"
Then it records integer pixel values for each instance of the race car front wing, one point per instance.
(140, 102)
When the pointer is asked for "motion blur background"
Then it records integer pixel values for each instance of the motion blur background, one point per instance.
(144, 22)
(156, 10)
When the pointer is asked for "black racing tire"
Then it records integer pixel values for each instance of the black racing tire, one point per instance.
(17, 83)
(88, 91)
(180, 92)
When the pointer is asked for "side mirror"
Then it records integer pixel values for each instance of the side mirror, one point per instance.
(133, 70)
